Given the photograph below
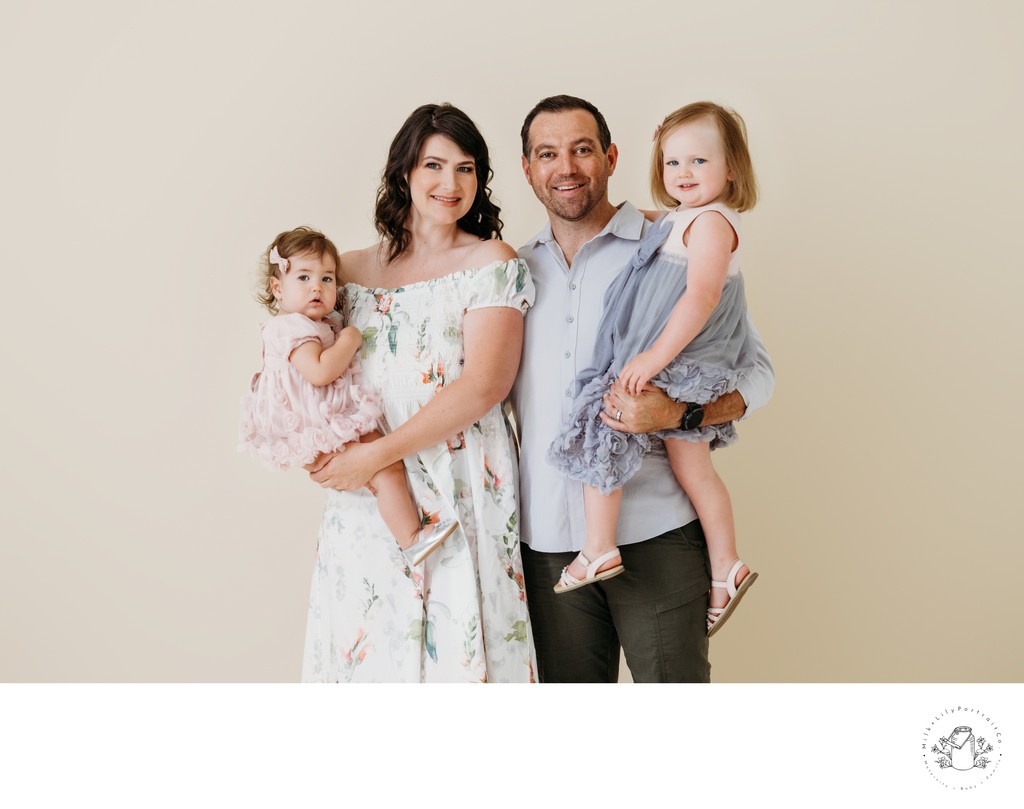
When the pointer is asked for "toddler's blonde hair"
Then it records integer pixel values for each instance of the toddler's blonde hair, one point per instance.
(741, 192)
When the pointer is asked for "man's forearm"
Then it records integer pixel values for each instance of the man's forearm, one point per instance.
(727, 407)
(668, 414)
(653, 410)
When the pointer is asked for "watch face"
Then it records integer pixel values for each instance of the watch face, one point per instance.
(694, 416)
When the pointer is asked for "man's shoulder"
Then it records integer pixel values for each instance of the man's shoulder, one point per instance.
(535, 241)
(628, 221)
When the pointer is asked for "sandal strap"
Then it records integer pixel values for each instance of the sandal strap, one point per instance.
(600, 560)
(730, 582)
(567, 579)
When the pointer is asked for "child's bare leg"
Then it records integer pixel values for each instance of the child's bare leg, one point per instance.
(394, 502)
(602, 512)
(691, 463)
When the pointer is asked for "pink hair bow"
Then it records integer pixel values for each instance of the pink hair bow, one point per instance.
(275, 258)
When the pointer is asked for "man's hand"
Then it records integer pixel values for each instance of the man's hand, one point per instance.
(649, 411)
(653, 410)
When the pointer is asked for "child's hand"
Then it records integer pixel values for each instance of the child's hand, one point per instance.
(638, 372)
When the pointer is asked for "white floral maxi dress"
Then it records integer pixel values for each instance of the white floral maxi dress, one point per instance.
(462, 615)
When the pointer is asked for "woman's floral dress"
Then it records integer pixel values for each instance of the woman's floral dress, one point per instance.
(461, 616)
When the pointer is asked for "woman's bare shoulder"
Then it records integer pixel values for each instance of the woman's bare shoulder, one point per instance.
(488, 251)
(360, 266)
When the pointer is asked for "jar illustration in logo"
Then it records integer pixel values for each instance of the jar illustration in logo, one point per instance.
(961, 748)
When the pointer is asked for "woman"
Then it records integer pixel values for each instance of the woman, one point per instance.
(440, 302)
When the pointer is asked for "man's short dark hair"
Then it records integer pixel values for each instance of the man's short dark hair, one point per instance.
(564, 103)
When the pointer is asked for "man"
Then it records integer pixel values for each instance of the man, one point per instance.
(657, 609)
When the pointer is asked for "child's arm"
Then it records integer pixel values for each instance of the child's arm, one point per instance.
(322, 366)
(710, 245)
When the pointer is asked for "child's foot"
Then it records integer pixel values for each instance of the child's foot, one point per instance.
(720, 573)
(428, 540)
(726, 594)
(581, 571)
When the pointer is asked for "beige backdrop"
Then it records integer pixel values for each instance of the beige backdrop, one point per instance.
(149, 156)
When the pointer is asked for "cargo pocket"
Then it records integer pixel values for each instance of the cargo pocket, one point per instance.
(682, 635)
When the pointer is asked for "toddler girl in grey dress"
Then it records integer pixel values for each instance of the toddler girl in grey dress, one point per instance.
(677, 318)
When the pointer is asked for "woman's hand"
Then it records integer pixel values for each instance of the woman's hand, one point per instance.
(318, 462)
(347, 470)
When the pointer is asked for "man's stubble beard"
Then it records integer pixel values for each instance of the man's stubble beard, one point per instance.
(574, 212)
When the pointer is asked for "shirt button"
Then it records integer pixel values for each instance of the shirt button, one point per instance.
(567, 355)
(572, 286)
(568, 392)
(570, 319)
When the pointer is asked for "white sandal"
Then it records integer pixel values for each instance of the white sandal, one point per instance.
(429, 540)
(719, 615)
(567, 581)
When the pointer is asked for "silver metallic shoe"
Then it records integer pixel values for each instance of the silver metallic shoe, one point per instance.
(430, 539)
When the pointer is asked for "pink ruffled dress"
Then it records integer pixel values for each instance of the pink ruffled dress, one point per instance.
(286, 419)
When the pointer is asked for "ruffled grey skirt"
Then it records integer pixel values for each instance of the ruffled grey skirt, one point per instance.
(636, 308)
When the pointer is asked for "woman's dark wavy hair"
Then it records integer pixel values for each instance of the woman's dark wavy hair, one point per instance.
(393, 199)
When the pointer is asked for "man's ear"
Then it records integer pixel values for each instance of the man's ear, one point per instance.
(613, 158)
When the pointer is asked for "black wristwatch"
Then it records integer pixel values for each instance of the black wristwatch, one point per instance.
(692, 416)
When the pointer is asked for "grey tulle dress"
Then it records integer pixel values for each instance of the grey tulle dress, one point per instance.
(636, 308)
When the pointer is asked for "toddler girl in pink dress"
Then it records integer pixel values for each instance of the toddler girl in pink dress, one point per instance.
(307, 399)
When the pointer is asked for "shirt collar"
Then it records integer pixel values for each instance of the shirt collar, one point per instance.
(627, 223)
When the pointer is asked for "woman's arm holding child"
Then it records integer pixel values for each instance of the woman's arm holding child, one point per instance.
(710, 245)
(493, 340)
(322, 366)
